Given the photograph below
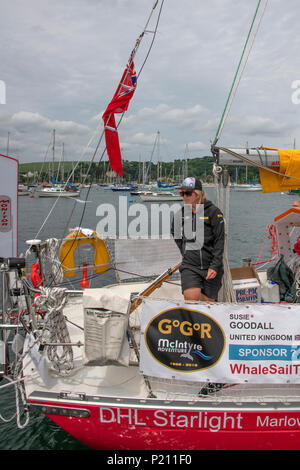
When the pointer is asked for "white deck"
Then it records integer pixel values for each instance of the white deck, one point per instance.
(128, 382)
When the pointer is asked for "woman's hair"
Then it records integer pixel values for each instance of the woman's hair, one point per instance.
(201, 196)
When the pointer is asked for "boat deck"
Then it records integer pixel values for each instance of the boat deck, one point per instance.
(128, 383)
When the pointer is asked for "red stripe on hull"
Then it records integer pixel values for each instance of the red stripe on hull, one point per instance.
(135, 428)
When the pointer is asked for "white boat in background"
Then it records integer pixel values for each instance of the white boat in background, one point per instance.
(123, 187)
(56, 191)
(246, 187)
(23, 190)
(140, 192)
(160, 196)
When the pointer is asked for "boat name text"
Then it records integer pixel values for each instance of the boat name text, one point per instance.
(204, 420)
(166, 418)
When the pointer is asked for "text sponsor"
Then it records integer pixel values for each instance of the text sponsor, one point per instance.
(264, 352)
(249, 294)
(5, 214)
(270, 369)
(184, 340)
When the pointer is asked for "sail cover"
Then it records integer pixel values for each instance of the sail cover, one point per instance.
(288, 177)
(118, 104)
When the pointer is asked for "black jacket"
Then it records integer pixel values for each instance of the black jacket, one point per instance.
(210, 255)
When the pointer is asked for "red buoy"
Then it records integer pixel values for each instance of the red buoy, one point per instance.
(84, 281)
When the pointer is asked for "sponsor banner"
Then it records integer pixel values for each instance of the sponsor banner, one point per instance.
(225, 343)
(5, 213)
(9, 172)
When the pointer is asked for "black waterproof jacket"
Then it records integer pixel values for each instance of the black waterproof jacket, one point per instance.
(210, 254)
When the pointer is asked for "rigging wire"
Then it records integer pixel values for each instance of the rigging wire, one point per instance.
(68, 179)
(232, 91)
(100, 124)
(133, 53)
(228, 288)
(153, 39)
(42, 167)
(122, 115)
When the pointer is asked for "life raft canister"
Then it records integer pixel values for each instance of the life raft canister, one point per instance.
(70, 244)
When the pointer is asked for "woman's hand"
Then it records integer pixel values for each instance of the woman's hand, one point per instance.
(211, 274)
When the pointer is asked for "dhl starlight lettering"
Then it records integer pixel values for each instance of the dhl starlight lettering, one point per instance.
(166, 418)
(212, 421)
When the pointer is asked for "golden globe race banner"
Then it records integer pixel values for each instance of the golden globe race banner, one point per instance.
(225, 343)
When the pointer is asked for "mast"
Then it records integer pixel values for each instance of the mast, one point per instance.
(53, 153)
(158, 175)
(185, 162)
(63, 162)
(139, 170)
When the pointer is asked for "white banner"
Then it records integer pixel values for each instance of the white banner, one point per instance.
(225, 343)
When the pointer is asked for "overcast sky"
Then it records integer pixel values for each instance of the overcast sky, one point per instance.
(61, 61)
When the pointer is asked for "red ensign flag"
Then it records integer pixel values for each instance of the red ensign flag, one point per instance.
(118, 104)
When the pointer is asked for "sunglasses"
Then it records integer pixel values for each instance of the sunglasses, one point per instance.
(186, 193)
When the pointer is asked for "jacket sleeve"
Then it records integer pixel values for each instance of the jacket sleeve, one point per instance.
(217, 222)
(178, 241)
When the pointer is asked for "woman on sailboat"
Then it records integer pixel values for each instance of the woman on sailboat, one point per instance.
(198, 230)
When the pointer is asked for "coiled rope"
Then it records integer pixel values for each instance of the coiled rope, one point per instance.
(270, 232)
(60, 354)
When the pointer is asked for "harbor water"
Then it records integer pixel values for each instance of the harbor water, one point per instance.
(249, 214)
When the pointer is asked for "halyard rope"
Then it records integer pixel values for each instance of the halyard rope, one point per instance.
(230, 97)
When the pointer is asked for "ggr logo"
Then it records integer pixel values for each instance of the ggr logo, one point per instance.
(2, 92)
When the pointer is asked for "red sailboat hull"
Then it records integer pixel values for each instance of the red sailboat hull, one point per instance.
(107, 427)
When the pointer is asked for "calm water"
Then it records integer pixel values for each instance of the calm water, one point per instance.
(250, 212)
